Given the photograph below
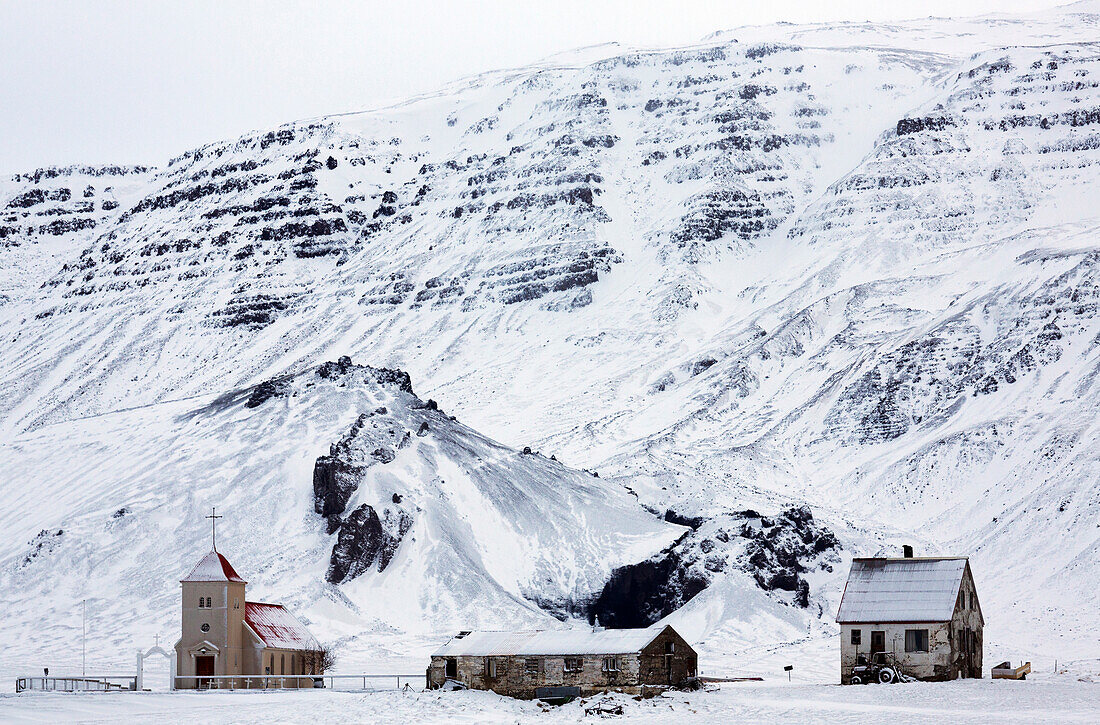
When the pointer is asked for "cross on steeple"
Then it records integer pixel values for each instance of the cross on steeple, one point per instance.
(213, 524)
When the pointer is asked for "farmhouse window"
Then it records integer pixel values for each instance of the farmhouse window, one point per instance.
(916, 640)
(531, 666)
(857, 637)
(573, 664)
(610, 664)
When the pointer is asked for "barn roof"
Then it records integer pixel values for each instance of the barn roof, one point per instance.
(902, 590)
(278, 628)
(213, 568)
(549, 642)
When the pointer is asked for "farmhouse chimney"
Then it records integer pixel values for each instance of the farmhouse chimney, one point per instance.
(907, 551)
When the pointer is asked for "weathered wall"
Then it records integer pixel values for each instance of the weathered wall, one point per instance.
(967, 631)
(658, 667)
(935, 664)
(512, 679)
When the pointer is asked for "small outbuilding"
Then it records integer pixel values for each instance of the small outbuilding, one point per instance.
(923, 613)
(562, 663)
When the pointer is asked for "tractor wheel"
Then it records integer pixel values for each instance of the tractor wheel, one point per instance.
(856, 680)
(886, 676)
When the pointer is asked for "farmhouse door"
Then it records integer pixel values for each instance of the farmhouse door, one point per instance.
(878, 641)
(204, 667)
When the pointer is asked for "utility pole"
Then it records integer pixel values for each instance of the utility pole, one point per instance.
(83, 637)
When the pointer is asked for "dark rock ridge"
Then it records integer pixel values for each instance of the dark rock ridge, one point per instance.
(366, 540)
(774, 551)
(382, 376)
(369, 536)
(275, 388)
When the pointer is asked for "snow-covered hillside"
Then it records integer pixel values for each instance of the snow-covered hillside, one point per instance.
(849, 267)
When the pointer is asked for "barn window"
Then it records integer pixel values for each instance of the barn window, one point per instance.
(574, 664)
(916, 640)
(857, 637)
(670, 648)
(610, 664)
(490, 667)
(531, 666)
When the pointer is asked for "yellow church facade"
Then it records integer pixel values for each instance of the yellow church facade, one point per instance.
(230, 642)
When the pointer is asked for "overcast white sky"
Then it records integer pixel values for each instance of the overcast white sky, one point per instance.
(100, 81)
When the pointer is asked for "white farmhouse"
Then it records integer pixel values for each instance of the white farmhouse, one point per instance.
(923, 612)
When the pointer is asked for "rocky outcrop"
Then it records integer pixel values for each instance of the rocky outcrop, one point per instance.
(367, 541)
(365, 538)
(274, 388)
(398, 379)
(775, 551)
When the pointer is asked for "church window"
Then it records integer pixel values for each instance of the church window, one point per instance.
(202, 602)
(236, 603)
(205, 627)
(282, 664)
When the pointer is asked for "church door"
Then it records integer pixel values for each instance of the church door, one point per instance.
(204, 667)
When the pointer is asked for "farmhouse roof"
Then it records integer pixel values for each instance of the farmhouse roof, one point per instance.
(549, 642)
(902, 590)
(213, 568)
(277, 627)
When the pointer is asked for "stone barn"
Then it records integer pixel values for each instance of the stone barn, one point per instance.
(528, 664)
(923, 612)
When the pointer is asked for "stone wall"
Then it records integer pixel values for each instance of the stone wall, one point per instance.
(513, 679)
(659, 666)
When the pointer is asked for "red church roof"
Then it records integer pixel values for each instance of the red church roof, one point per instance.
(277, 627)
(213, 568)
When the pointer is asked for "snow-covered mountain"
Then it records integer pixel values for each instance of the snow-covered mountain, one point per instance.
(851, 267)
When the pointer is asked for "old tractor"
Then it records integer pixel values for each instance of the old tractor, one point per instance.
(881, 667)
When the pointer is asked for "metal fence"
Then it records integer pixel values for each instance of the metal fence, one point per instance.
(287, 682)
(129, 683)
(83, 683)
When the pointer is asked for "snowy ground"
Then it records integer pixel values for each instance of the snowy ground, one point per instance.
(1063, 698)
